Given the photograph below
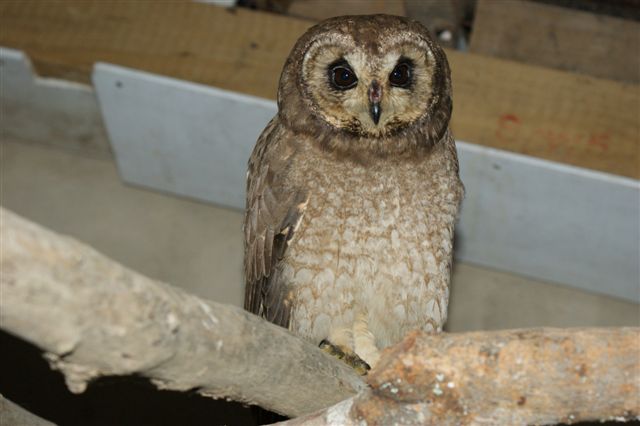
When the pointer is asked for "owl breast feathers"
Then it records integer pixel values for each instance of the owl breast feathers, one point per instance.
(353, 188)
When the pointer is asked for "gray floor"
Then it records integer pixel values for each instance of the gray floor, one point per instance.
(199, 246)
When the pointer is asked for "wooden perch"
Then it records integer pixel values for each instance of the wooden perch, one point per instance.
(510, 377)
(95, 317)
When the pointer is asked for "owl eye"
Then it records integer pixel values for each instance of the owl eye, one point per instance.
(401, 75)
(342, 76)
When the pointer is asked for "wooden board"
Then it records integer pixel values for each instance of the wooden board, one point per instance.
(235, 49)
(179, 137)
(550, 114)
(557, 37)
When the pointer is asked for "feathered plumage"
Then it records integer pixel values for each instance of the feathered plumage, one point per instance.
(353, 189)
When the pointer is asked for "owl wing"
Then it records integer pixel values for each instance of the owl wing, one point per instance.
(274, 211)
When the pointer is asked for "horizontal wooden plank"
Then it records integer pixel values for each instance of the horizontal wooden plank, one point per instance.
(235, 49)
(555, 115)
(559, 116)
(557, 37)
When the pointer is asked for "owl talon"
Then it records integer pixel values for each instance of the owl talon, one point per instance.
(348, 357)
(332, 349)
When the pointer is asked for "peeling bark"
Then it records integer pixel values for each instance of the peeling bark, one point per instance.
(511, 377)
(94, 317)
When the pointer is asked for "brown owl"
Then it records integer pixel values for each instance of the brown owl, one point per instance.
(353, 189)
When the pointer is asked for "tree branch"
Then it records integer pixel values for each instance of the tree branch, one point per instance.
(535, 376)
(95, 317)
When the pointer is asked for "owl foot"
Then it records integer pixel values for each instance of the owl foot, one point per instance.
(350, 358)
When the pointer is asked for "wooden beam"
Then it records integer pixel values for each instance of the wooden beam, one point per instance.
(557, 37)
(559, 116)
(555, 115)
(235, 49)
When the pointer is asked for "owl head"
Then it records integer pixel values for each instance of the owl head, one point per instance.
(374, 82)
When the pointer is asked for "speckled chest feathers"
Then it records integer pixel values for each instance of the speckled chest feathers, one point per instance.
(353, 188)
(377, 242)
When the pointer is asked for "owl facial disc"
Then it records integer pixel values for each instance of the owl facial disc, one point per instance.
(377, 80)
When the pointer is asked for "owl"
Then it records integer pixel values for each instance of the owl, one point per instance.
(353, 189)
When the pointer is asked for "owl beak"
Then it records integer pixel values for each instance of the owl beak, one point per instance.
(374, 110)
(375, 94)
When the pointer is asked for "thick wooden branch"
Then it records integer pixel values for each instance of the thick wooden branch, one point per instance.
(514, 377)
(95, 317)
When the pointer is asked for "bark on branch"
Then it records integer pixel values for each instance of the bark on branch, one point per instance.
(95, 317)
(511, 377)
